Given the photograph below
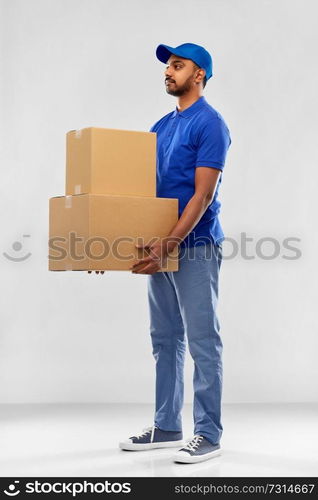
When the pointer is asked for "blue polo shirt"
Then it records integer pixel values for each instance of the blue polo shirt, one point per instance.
(195, 137)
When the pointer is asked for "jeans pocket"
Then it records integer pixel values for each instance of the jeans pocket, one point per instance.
(204, 252)
(210, 252)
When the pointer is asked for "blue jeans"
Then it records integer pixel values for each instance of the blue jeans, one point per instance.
(184, 302)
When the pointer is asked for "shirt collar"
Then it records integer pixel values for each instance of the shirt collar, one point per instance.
(196, 106)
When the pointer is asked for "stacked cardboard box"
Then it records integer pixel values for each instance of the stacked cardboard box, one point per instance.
(110, 203)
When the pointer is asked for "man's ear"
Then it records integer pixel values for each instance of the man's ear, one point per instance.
(201, 74)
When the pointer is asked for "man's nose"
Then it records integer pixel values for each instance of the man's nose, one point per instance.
(167, 73)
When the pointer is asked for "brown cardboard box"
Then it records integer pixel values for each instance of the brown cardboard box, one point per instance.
(107, 228)
(110, 161)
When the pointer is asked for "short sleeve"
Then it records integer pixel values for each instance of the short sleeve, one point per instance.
(213, 143)
(154, 127)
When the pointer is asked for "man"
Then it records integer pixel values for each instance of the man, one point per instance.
(192, 142)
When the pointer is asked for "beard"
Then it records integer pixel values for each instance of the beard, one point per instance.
(182, 89)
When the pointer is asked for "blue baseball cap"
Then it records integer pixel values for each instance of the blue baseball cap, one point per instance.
(191, 51)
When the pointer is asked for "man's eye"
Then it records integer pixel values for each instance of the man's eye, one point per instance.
(177, 66)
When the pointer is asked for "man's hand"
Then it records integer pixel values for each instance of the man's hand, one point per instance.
(157, 258)
(97, 272)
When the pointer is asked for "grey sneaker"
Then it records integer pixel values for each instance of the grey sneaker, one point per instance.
(198, 449)
(153, 437)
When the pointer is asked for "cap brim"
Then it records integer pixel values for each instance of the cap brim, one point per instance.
(163, 52)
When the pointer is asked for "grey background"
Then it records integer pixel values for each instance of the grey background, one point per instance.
(65, 64)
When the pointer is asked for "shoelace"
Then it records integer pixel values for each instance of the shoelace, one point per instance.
(146, 431)
(194, 443)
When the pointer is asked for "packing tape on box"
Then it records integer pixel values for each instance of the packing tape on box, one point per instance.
(78, 133)
(77, 189)
(68, 201)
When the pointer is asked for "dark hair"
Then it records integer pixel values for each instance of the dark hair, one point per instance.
(195, 66)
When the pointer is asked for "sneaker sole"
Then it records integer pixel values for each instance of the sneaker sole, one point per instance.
(150, 446)
(200, 458)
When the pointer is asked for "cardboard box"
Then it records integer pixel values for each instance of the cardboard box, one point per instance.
(97, 232)
(110, 161)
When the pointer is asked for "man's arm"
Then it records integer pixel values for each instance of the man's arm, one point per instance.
(213, 143)
(206, 180)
